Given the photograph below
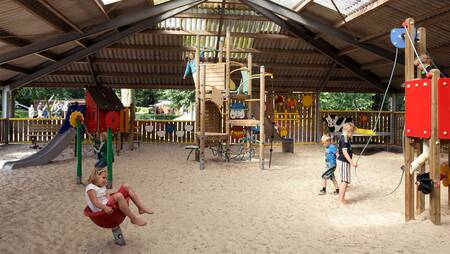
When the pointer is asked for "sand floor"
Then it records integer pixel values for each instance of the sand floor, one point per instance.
(229, 208)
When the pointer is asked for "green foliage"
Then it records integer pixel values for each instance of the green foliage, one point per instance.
(27, 95)
(18, 113)
(147, 116)
(179, 98)
(146, 97)
(346, 101)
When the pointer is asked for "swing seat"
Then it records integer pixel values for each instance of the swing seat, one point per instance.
(104, 220)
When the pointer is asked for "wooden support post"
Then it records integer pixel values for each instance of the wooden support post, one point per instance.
(196, 77)
(220, 52)
(202, 115)
(421, 49)
(12, 104)
(421, 45)
(249, 84)
(409, 147)
(132, 123)
(227, 87)
(448, 188)
(262, 137)
(392, 124)
(435, 195)
(109, 158)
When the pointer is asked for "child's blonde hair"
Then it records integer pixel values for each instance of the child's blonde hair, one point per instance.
(348, 127)
(325, 138)
(94, 174)
(103, 136)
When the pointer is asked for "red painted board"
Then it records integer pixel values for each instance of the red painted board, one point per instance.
(444, 108)
(418, 108)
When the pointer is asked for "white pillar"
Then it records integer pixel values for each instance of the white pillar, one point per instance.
(6, 91)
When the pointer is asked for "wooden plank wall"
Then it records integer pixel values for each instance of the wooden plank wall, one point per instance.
(293, 114)
(159, 131)
(300, 126)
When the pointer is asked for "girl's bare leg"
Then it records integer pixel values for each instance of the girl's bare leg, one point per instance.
(136, 199)
(342, 191)
(123, 206)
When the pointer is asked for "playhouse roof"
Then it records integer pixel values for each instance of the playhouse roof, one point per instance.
(41, 45)
(105, 98)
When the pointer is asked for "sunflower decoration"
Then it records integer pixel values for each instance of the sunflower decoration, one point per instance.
(307, 101)
(73, 118)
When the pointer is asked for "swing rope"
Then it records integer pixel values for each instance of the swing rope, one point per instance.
(376, 123)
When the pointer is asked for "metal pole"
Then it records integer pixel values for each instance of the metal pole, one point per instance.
(262, 88)
(79, 150)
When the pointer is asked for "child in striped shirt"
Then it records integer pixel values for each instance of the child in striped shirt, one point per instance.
(345, 160)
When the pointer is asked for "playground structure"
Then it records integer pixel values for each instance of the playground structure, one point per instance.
(64, 137)
(222, 109)
(103, 113)
(427, 126)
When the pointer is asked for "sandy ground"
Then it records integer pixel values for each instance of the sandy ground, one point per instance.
(229, 208)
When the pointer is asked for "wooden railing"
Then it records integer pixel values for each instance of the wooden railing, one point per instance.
(165, 131)
(22, 129)
(302, 129)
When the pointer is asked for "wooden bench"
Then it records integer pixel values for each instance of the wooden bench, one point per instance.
(40, 129)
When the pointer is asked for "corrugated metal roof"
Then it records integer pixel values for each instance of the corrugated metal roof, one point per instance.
(158, 59)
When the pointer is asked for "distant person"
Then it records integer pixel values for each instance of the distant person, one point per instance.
(39, 109)
(330, 165)
(45, 113)
(191, 67)
(100, 148)
(423, 64)
(31, 111)
(65, 108)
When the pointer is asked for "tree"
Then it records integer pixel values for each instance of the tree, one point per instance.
(27, 95)
(146, 97)
(346, 101)
(179, 98)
